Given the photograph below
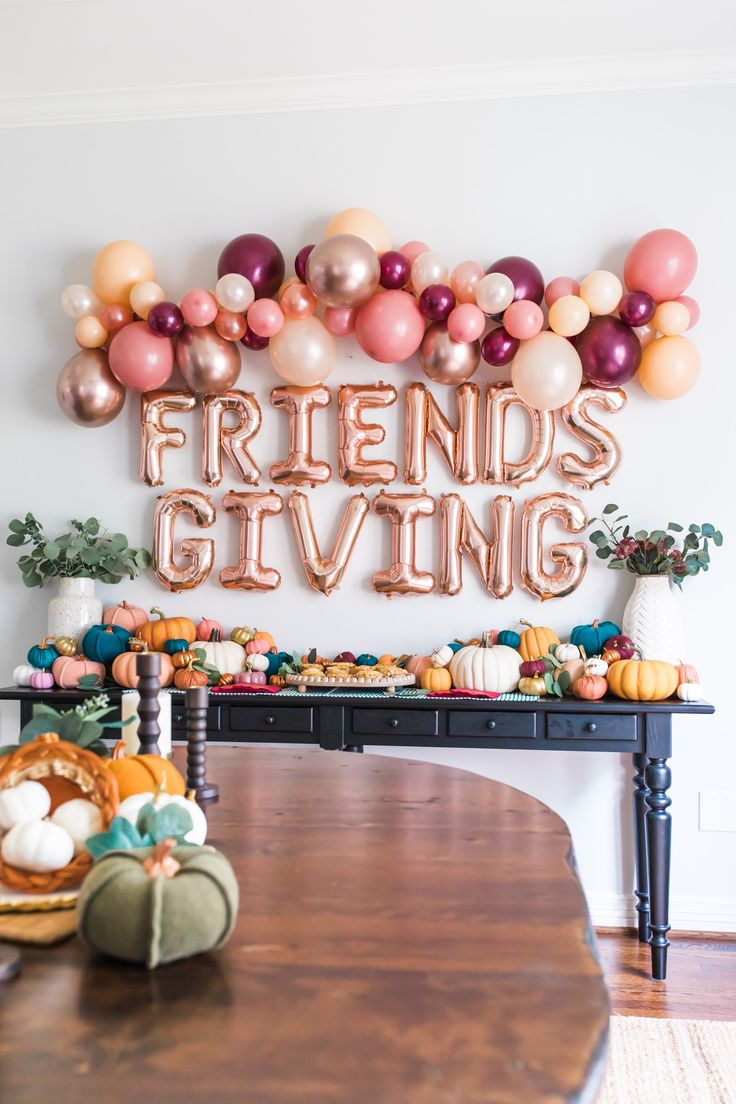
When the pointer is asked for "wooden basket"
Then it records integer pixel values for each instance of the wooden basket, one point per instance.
(66, 771)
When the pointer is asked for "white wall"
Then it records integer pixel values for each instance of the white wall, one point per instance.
(570, 182)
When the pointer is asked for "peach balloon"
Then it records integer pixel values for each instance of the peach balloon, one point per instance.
(302, 352)
(569, 315)
(602, 291)
(692, 307)
(118, 267)
(464, 280)
(90, 333)
(523, 319)
(298, 301)
(389, 327)
(363, 224)
(141, 359)
(546, 371)
(662, 263)
(340, 321)
(199, 307)
(669, 367)
(466, 322)
(412, 249)
(265, 318)
(561, 285)
(428, 268)
(671, 319)
(230, 325)
(145, 295)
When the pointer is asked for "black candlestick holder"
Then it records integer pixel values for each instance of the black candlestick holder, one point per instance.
(196, 710)
(148, 669)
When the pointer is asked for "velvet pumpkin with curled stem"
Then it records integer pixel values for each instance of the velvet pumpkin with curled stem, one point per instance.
(104, 643)
(156, 632)
(42, 655)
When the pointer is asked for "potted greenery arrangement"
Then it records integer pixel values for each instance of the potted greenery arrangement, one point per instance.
(656, 559)
(76, 558)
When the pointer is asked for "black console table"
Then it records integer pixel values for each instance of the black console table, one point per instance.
(352, 722)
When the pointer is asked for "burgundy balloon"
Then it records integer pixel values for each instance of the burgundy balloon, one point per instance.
(258, 258)
(524, 275)
(499, 347)
(395, 270)
(165, 319)
(609, 350)
(436, 302)
(637, 308)
(254, 341)
(300, 262)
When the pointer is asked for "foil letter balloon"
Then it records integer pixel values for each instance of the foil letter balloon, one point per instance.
(496, 469)
(155, 436)
(607, 450)
(571, 558)
(324, 574)
(425, 420)
(218, 438)
(403, 511)
(492, 558)
(354, 434)
(252, 507)
(199, 553)
(300, 467)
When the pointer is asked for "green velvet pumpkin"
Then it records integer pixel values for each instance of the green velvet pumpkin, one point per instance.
(104, 643)
(592, 637)
(171, 647)
(153, 918)
(508, 637)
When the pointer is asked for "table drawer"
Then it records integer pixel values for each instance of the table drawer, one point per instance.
(493, 723)
(179, 717)
(592, 726)
(399, 722)
(271, 718)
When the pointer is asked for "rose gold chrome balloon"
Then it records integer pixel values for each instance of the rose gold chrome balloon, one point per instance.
(354, 434)
(199, 553)
(252, 508)
(571, 557)
(208, 363)
(343, 271)
(87, 391)
(425, 421)
(155, 436)
(403, 511)
(607, 454)
(231, 440)
(496, 469)
(445, 360)
(324, 574)
(460, 532)
(300, 467)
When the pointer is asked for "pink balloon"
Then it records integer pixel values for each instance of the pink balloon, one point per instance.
(561, 285)
(523, 319)
(340, 321)
(199, 307)
(141, 359)
(389, 326)
(412, 250)
(464, 279)
(466, 322)
(693, 308)
(265, 317)
(662, 263)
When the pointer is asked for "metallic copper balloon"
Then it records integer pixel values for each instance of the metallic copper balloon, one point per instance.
(496, 469)
(606, 449)
(572, 557)
(87, 391)
(403, 511)
(155, 436)
(252, 507)
(445, 360)
(460, 532)
(300, 467)
(218, 438)
(208, 363)
(343, 271)
(425, 421)
(199, 553)
(354, 434)
(324, 574)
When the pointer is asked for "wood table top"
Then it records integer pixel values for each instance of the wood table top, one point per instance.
(408, 933)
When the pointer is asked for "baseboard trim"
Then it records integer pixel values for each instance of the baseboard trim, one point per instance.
(687, 914)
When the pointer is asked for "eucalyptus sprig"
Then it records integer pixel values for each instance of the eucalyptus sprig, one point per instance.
(86, 550)
(655, 552)
(80, 725)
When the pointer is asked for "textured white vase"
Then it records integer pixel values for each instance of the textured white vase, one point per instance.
(74, 608)
(652, 619)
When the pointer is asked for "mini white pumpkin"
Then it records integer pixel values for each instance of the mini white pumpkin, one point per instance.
(596, 666)
(442, 657)
(81, 819)
(227, 656)
(22, 674)
(257, 662)
(38, 846)
(131, 807)
(690, 692)
(26, 801)
(494, 668)
(565, 652)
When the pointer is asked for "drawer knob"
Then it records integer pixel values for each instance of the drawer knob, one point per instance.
(490, 724)
(394, 722)
(591, 726)
(269, 720)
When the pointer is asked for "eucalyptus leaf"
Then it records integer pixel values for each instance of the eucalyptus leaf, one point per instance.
(611, 508)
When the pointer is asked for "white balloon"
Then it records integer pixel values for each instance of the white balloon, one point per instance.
(546, 371)
(303, 352)
(78, 301)
(494, 293)
(428, 268)
(234, 292)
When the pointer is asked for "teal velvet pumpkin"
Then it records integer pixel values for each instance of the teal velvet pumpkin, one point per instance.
(366, 660)
(104, 643)
(275, 662)
(171, 647)
(508, 637)
(42, 655)
(592, 637)
(456, 645)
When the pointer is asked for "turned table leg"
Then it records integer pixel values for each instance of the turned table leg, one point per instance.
(641, 792)
(658, 777)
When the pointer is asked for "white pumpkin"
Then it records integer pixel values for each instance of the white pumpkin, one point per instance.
(131, 807)
(564, 652)
(26, 801)
(690, 692)
(22, 674)
(481, 668)
(81, 819)
(257, 662)
(38, 846)
(596, 666)
(227, 656)
(442, 657)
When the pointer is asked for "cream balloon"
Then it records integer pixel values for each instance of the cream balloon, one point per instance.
(602, 291)
(117, 268)
(303, 351)
(144, 295)
(494, 293)
(234, 292)
(78, 301)
(343, 271)
(671, 318)
(669, 367)
(546, 371)
(90, 333)
(363, 224)
(428, 268)
(569, 315)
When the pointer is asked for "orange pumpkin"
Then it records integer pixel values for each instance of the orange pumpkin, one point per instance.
(642, 679)
(188, 676)
(536, 641)
(68, 671)
(127, 617)
(260, 635)
(124, 672)
(156, 633)
(685, 673)
(389, 660)
(143, 773)
(436, 678)
(590, 687)
(182, 659)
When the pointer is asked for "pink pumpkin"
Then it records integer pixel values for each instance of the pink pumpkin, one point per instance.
(41, 680)
(125, 616)
(250, 678)
(686, 673)
(575, 669)
(257, 647)
(206, 627)
(68, 671)
(416, 664)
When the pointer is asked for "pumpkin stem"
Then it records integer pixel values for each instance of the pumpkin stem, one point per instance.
(595, 624)
(527, 623)
(215, 636)
(118, 752)
(485, 640)
(159, 612)
(162, 863)
(45, 641)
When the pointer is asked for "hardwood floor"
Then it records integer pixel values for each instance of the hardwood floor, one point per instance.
(701, 982)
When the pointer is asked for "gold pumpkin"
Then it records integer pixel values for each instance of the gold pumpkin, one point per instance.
(436, 678)
(536, 641)
(156, 633)
(642, 679)
(66, 645)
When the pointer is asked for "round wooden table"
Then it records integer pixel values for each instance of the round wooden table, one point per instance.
(408, 933)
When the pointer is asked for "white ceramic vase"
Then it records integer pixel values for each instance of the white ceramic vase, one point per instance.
(652, 619)
(74, 608)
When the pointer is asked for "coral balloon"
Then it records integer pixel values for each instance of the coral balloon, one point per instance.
(524, 275)
(209, 364)
(692, 307)
(412, 249)
(669, 367)
(561, 285)
(78, 300)
(141, 359)
(87, 391)
(340, 321)
(90, 333)
(436, 302)
(445, 360)
(199, 307)
(499, 348)
(165, 319)
(464, 280)
(298, 301)
(343, 271)
(428, 268)
(265, 318)
(568, 315)
(610, 352)
(671, 319)
(114, 316)
(300, 262)
(362, 224)
(230, 325)
(303, 351)
(234, 292)
(546, 371)
(523, 319)
(395, 270)
(389, 327)
(662, 263)
(258, 259)
(117, 268)
(494, 293)
(466, 322)
(145, 295)
(637, 308)
(602, 292)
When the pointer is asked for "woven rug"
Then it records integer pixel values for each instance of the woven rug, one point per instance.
(670, 1061)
